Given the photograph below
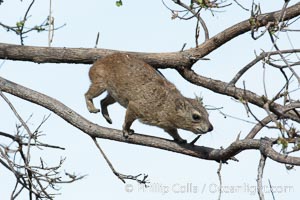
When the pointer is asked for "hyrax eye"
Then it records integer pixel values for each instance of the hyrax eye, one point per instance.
(196, 117)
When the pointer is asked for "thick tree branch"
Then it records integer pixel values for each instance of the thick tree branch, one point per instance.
(45, 54)
(271, 153)
(83, 55)
(159, 60)
(241, 28)
(97, 131)
(179, 60)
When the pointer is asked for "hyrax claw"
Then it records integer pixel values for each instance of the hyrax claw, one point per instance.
(127, 133)
(94, 110)
(108, 119)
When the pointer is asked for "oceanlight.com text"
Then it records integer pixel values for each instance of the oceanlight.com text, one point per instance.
(190, 188)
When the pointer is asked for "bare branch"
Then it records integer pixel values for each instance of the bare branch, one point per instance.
(158, 60)
(20, 29)
(16, 113)
(267, 150)
(241, 28)
(122, 177)
(51, 25)
(36, 179)
(271, 189)
(96, 131)
(97, 40)
(259, 126)
(199, 19)
(263, 56)
(246, 9)
(26, 159)
(283, 58)
(237, 93)
(220, 180)
(260, 170)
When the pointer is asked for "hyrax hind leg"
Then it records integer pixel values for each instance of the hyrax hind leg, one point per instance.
(129, 119)
(108, 100)
(95, 90)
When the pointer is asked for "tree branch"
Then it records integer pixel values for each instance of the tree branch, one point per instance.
(260, 172)
(237, 93)
(263, 56)
(97, 131)
(122, 177)
(158, 60)
(62, 55)
(241, 28)
(259, 126)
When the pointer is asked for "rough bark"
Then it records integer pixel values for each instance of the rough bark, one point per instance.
(159, 60)
(94, 130)
(182, 61)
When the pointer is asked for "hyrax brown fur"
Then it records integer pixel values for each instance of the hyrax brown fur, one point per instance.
(146, 94)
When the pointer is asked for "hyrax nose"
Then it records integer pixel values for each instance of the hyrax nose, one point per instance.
(210, 128)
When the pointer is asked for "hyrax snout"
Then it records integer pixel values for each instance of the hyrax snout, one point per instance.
(146, 94)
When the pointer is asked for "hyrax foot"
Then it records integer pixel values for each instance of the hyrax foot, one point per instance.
(126, 133)
(180, 141)
(93, 110)
(89, 101)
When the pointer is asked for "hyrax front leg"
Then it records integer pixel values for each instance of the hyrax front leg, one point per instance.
(129, 119)
(174, 133)
(94, 91)
(108, 100)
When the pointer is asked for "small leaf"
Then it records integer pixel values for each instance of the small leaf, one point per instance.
(283, 142)
(20, 24)
(119, 3)
(39, 28)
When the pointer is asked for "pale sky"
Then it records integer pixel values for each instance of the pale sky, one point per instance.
(143, 26)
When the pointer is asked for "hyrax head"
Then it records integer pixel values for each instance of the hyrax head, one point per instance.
(192, 116)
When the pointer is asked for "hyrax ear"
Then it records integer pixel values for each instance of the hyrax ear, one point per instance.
(179, 104)
(199, 99)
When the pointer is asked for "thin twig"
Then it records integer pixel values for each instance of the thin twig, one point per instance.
(283, 58)
(22, 122)
(23, 22)
(182, 48)
(264, 81)
(260, 172)
(2, 63)
(262, 123)
(97, 40)
(271, 189)
(195, 139)
(51, 25)
(220, 180)
(122, 177)
(241, 5)
(107, 160)
(199, 19)
(13, 195)
(262, 56)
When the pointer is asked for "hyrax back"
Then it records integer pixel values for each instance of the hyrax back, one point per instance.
(146, 94)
